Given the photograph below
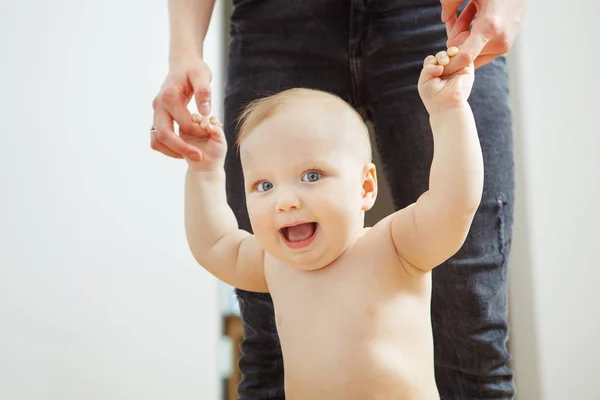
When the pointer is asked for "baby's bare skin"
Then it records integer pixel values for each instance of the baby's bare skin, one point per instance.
(358, 329)
(352, 305)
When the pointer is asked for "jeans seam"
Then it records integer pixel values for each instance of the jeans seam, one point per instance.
(356, 24)
(502, 202)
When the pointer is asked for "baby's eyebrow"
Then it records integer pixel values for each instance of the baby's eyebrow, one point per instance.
(253, 176)
(319, 163)
(251, 173)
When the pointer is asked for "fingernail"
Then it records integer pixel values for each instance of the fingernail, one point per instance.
(196, 156)
(196, 117)
(444, 16)
(204, 108)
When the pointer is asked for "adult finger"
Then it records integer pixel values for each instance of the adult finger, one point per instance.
(450, 25)
(484, 59)
(175, 104)
(158, 146)
(469, 51)
(166, 135)
(474, 45)
(155, 144)
(200, 82)
(490, 30)
(449, 8)
(463, 22)
(458, 40)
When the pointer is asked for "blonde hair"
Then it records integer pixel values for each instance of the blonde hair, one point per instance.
(261, 109)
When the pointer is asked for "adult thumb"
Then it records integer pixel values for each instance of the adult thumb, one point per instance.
(202, 94)
(449, 8)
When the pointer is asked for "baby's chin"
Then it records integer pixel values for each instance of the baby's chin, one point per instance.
(311, 261)
(321, 252)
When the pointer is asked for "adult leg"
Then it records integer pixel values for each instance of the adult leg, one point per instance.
(274, 47)
(469, 301)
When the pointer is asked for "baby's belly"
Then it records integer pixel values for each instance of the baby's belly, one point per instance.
(379, 371)
(353, 356)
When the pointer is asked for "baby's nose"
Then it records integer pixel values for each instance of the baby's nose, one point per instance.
(288, 202)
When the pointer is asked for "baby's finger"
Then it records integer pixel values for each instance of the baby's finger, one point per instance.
(429, 72)
(203, 122)
(215, 121)
(215, 127)
(211, 125)
(442, 58)
(433, 71)
(200, 119)
(429, 60)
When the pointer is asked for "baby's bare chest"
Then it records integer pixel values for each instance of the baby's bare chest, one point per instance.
(361, 299)
(366, 313)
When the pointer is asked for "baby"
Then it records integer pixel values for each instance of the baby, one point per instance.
(352, 304)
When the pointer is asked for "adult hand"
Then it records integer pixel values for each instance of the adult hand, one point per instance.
(184, 80)
(484, 30)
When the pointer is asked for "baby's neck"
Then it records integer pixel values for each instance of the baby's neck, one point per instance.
(312, 268)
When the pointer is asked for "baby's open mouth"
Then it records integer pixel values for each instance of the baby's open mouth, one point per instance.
(300, 232)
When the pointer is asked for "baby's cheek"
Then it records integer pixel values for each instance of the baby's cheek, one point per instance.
(338, 213)
(256, 215)
(257, 220)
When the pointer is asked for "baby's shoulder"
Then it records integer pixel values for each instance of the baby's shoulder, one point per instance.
(376, 240)
(380, 232)
(375, 250)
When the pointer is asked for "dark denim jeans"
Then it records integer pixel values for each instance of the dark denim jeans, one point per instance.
(370, 52)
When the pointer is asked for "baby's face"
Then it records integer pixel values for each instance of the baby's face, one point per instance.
(306, 186)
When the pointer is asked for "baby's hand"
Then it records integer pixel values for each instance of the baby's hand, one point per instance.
(440, 93)
(211, 144)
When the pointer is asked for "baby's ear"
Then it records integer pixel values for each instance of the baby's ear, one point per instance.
(369, 187)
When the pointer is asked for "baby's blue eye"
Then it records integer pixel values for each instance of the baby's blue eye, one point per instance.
(311, 176)
(264, 186)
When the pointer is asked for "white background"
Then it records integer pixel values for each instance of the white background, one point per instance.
(555, 267)
(99, 295)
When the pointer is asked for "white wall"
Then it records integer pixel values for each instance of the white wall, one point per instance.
(99, 296)
(555, 276)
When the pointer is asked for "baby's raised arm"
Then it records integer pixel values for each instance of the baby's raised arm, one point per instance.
(435, 227)
(215, 240)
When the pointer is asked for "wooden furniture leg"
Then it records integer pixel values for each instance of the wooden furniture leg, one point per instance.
(233, 329)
